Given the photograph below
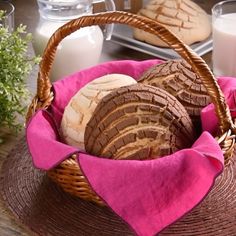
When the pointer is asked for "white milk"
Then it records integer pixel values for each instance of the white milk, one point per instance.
(224, 45)
(77, 51)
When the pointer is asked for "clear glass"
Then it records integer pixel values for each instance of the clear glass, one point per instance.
(80, 50)
(224, 38)
(8, 20)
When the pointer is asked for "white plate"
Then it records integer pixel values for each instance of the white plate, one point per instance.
(122, 35)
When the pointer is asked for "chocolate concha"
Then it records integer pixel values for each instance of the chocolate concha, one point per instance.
(178, 79)
(81, 106)
(138, 122)
(184, 18)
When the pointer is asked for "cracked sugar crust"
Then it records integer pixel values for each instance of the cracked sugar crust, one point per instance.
(138, 122)
(184, 18)
(81, 106)
(178, 79)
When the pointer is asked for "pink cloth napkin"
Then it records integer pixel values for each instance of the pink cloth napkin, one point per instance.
(208, 117)
(149, 195)
(44, 142)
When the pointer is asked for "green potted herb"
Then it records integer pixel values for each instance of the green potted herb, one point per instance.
(15, 66)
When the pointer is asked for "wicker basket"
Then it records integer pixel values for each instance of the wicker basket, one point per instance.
(68, 174)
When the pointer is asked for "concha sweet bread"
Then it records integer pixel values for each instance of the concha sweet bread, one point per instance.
(178, 79)
(138, 122)
(81, 106)
(184, 18)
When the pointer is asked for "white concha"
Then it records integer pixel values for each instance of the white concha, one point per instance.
(82, 105)
(184, 18)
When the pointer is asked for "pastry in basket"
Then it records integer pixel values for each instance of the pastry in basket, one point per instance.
(178, 79)
(81, 106)
(138, 122)
(184, 18)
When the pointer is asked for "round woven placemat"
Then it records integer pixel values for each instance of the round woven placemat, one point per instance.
(44, 208)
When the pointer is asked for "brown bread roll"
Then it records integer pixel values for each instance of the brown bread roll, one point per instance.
(178, 79)
(184, 18)
(138, 122)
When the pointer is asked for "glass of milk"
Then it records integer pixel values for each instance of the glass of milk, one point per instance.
(81, 49)
(224, 38)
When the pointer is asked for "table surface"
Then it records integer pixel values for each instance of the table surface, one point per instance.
(26, 13)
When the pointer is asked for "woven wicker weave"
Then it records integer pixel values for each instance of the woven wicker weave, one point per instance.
(68, 174)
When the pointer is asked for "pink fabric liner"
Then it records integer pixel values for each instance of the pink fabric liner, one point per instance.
(148, 195)
(208, 117)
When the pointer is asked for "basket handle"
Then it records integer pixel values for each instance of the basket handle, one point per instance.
(44, 94)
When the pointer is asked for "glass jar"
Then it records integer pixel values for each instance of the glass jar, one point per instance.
(77, 51)
(8, 20)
